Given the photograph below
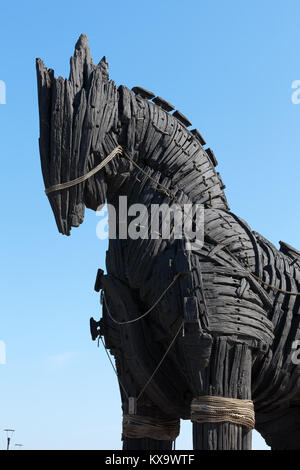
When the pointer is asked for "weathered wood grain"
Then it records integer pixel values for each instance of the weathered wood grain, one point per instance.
(231, 300)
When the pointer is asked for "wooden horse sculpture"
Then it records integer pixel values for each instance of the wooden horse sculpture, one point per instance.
(203, 331)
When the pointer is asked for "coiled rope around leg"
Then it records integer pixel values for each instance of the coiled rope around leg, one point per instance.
(213, 409)
(137, 427)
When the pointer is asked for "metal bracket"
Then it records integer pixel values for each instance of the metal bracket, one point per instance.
(131, 405)
(96, 328)
(98, 282)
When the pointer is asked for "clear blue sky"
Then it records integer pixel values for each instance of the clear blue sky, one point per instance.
(228, 66)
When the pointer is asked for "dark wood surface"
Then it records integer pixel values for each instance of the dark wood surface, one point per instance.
(238, 332)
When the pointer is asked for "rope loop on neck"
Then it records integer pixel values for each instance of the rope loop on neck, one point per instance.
(69, 184)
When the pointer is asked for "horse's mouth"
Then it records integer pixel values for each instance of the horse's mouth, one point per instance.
(66, 215)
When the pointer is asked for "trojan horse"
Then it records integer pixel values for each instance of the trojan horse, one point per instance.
(204, 332)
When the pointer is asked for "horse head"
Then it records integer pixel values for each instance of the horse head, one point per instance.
(83, 122)
(78, 128)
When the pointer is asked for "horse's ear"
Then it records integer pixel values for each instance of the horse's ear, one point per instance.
(103, 65)
(81, 64)
(45, 80)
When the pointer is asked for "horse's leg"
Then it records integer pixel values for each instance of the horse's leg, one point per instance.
(146, 444)
(281, 430)
(147, 425)
(235, 310)
(220, 436)
(138, 435)
(136, 430)
(227, 375)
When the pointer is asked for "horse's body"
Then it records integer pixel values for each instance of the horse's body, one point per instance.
(221, 331)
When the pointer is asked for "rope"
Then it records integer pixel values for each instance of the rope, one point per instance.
(172, 196)
(165, 189)
(254, 275)
(148, 311)
(155, 371)
(124, 390)
(119, 150)
(58, 187)
(137, 427)
(160, 363)
(274, 287)
(213, 409)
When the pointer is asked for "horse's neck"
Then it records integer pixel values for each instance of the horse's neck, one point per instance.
(169, 163)
(168, 152)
